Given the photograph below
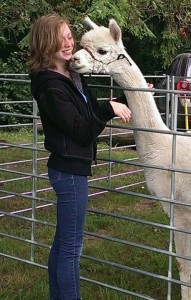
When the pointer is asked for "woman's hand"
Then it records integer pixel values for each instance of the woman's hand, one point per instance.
(151, 86)
(121, 110)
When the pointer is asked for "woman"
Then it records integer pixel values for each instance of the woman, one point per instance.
(72, 119)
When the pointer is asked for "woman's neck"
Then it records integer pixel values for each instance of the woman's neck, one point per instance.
(64, 72)
(63, 69)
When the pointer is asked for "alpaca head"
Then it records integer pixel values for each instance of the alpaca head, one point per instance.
(101, 49)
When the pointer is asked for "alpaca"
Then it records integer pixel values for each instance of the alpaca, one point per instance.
(103, 52)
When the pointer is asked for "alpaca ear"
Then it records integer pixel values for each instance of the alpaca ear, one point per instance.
(115, 31)
(89, 23)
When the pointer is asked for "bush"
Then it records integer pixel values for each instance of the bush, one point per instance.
(14, 91)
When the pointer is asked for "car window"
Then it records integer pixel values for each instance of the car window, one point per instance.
(184, 66)
(175, 68)
(189, 68)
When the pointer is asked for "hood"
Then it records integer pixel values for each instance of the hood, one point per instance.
(38, 79)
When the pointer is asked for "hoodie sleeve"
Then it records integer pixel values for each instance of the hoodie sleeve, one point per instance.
(57, 108)
(102, 109)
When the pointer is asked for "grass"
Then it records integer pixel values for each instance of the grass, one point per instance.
(22, 281)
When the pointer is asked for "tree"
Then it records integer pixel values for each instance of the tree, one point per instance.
(161, 26)
(164, 25)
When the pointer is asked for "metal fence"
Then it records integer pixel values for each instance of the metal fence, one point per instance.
(25, 193)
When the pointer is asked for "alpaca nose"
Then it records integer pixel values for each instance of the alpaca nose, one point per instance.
(75, 57)
(75, 62)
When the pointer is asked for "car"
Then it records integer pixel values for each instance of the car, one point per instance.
(180, 68)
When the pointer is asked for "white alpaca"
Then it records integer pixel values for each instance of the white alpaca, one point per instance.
(103, 51)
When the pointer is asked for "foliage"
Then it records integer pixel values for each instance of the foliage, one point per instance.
(161, 26)
(166, 24)
(15, 92)
(173, 34)
(10, 91)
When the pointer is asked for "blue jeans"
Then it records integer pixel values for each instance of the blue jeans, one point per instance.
(64, 258)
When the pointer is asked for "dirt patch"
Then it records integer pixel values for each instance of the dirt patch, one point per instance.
(148, 205)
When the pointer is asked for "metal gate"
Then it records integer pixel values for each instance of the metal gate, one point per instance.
(118, 198)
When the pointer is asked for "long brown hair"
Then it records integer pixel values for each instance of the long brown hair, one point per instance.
(45, 42)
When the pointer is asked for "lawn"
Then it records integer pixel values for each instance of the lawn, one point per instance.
(123, 234)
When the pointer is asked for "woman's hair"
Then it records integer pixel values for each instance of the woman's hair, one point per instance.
(45, 42)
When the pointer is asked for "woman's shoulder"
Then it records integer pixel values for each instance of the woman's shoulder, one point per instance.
(46, 80)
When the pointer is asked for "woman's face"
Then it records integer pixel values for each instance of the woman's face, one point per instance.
(67, 44)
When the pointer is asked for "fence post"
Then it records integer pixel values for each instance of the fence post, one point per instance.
(34, 178)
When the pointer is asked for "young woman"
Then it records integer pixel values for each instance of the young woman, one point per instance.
(72, 119)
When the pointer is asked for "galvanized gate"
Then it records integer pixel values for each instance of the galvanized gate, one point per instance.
(25, 193)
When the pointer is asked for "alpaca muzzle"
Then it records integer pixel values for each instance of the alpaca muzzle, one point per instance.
(120, 56)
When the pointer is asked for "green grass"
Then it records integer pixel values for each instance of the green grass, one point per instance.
(21, 281)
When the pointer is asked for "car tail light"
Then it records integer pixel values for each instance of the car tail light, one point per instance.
(183, 85)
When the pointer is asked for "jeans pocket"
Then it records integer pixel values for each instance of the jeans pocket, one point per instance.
(54, 175)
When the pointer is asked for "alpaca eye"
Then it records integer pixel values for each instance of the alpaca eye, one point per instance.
(102, 52)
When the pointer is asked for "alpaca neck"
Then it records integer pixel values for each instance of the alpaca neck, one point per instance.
(145, 113)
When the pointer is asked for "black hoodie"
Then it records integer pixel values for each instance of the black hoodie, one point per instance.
(70, 124)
